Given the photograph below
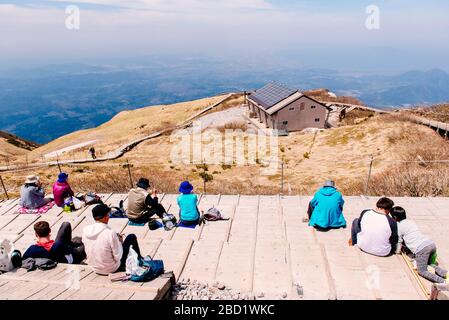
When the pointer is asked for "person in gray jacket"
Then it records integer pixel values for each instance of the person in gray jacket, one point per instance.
(422, 247)
(32, 195)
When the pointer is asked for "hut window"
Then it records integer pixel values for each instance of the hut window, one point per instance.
(285, 123)
(313, 107)
(292, 108)
(302, 106)
(317, 119)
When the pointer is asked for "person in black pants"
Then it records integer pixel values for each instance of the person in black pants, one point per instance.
(64, 249)
(106, 249)
(142, 205)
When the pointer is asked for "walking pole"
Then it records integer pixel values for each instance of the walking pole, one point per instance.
(129, 173)
(4, 188)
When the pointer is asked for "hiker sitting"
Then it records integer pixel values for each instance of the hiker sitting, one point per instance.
(326, 208)
(32, 195)
(62, 190)
(375, 232)
(189, 214)
(106, 249)
(63, 249)
(142, 205)
(422, 247)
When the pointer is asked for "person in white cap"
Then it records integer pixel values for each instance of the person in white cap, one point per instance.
(32, 195)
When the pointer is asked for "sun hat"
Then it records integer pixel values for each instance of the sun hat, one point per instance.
(143, 183)
(32, 179)
(329, 183)
(62, 177)
(185, 187)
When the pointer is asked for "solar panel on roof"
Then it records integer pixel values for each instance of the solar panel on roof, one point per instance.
(272, 94)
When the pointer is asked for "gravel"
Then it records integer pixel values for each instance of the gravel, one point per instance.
(186, 289)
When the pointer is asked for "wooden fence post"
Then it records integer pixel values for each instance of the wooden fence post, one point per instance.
(4, 188)
(369, 175)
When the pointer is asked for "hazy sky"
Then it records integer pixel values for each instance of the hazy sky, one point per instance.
(313, 33)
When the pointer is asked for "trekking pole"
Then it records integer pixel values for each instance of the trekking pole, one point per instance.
(369, 174)
(129, 173)
(4, 188)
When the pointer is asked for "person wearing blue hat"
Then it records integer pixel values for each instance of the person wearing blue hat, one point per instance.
(62, 189)
(188, 205)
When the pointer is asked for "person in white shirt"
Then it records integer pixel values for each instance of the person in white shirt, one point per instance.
(375, 232)
(422, 247)
(106, 250)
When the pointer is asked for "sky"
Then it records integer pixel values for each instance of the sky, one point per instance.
(310, 33)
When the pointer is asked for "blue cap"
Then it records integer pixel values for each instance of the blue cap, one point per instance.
(62, 177)
(185, 187)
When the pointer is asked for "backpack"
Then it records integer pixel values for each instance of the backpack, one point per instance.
(169, 222)
(213, 214)
(142, 269)
(92, 198)
(9, 257)
(153, 269)
(118, 212)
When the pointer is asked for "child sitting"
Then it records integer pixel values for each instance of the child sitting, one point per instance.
(421, 246)
(188, 210)
(63, 249)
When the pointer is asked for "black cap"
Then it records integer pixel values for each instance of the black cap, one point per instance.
(100, 211)
(143, 183)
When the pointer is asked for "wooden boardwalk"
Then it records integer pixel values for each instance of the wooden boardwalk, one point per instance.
(264, 247)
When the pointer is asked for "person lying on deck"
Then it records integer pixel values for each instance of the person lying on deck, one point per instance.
(63, 249)
(326, 208)
(32, 195)
(422, 247)
(62, 189)
(142, 205)
(106, 249)
(189, 213)
(375, 232)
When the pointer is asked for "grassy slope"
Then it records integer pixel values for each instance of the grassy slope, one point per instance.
(12, 146)
(341, 153)
(126, 126)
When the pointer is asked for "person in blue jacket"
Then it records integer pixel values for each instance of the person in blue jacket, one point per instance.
(326, 208)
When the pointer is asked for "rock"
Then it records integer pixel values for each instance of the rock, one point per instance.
(221, 286)
(284, 295)
(260, 295)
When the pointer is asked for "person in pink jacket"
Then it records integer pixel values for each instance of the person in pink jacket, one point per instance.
(61, 189)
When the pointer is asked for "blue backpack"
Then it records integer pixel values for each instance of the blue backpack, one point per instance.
(154, 268)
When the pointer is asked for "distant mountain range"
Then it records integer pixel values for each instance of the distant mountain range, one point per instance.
(44, 103)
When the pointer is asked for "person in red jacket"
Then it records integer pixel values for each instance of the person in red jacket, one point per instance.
(61, 189)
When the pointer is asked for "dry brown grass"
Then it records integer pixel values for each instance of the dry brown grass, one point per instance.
(356, 116)
(341, 154)
(418, 178)
(438, 113)
(322, 95)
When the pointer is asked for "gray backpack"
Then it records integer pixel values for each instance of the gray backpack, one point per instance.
(213, 214)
